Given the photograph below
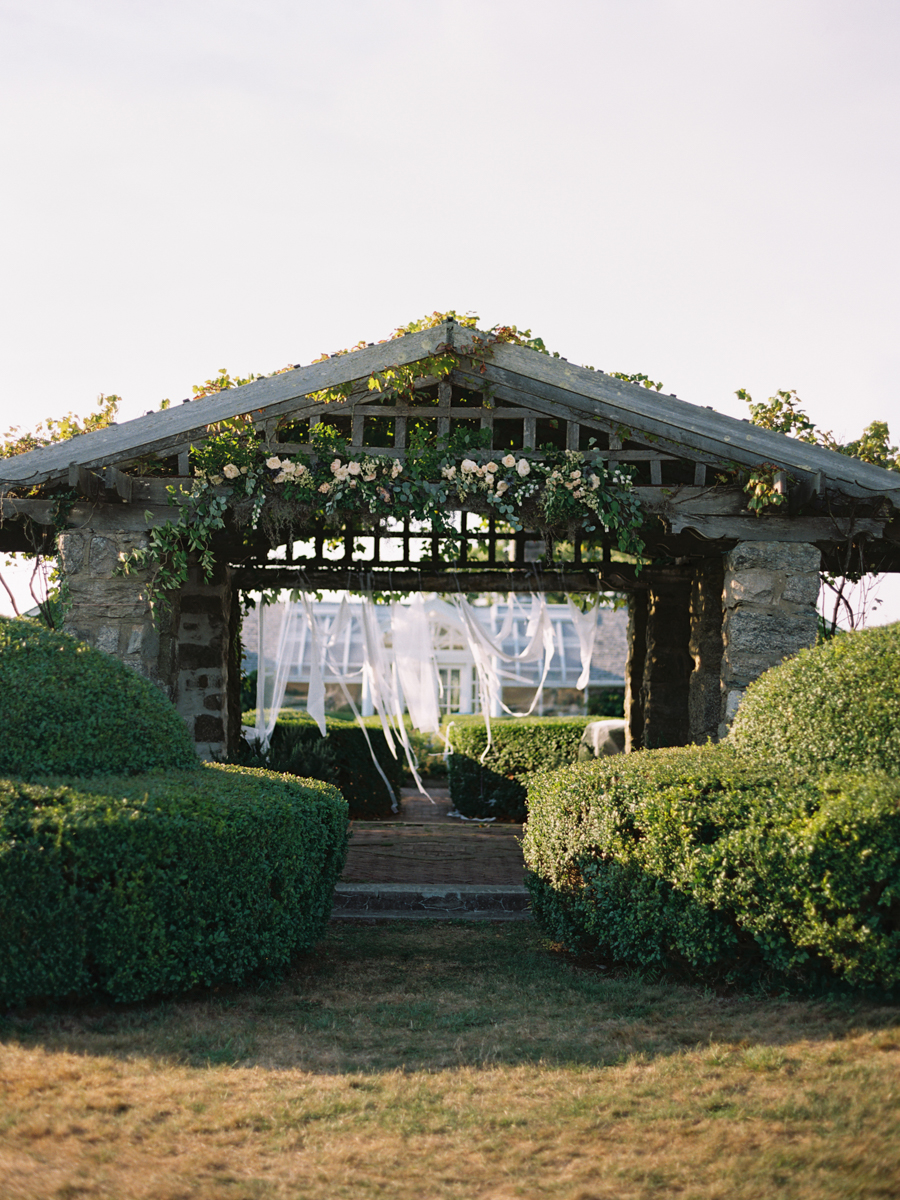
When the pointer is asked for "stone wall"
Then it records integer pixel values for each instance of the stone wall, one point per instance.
(110, 611)
(187, 649)
(769, 600)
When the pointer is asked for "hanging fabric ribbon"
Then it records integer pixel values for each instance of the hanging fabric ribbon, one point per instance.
(586, 630)
(485, 650)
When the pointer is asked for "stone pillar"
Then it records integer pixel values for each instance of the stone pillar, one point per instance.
(668, 665)
(189, 648)
(207, 661)
(770, 595)
(110, 611)
(634, 671)
(705, 689)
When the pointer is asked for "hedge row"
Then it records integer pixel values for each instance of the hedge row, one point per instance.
(124, 888)
(520, 746)
(68, 709)
(836, 705)
(696, 858)
(342, 758)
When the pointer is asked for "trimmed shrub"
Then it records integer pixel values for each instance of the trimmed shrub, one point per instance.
(66, 709)
(342, 758)
(521, 746)
(698, 860)
(125, 888)
(834, 706)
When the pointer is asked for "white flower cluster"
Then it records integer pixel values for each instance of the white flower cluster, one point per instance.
(473, 475)
(229, 471)
(288, 471)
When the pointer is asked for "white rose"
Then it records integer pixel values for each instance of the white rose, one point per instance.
(509, 461)
(576, 474)
(492, 467)
(231, 471)
(502, 487)
(370, 477)
(468, 465)
(336, 466)
(523, 467)
(324, 487)
(354, 468)
(273, 463)
(396, 469)
(595, 481)
(280, 477)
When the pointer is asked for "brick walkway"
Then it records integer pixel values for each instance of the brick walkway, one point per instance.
(422, 845)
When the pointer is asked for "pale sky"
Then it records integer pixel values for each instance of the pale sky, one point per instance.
(702, 190)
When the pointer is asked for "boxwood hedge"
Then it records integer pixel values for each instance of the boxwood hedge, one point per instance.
(125, 887)
(834, 706)
(520, 746)
(697, 859)
(342, 758)
(68, 709)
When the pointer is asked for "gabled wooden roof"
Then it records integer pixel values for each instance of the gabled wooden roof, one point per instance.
(543, 384)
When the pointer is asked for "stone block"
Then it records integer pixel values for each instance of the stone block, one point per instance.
(193, 657)
(753, 586)
(208, 728)
(104, 557)
(71, 552)
(107, 639)
(802, 588)
(213, 701)
(790, 557)
(200, 680)
(772, 635)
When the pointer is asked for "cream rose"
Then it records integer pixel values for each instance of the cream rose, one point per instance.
(509, 460)
(231, 471)
(523, 467)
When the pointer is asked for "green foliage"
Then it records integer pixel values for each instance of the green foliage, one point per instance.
(520, 746)
(556, 491)
(834, 706)
(50, 430)
(606, 702)
(342, 758)
(698, 859)
(68, 709)
(782, 414)
(125, 888)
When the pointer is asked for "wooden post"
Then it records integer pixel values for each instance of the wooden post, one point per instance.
(704, 700)
(634, 671)
(667, 665)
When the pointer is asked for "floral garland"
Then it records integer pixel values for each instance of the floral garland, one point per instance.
(556, 491)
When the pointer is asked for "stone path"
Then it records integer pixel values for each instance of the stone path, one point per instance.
(424, 863)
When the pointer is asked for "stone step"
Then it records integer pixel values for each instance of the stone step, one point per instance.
(434, 902)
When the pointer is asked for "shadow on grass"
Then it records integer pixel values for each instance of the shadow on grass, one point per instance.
(431, 996)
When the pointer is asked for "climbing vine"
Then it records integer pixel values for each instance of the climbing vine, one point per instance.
(782, 414)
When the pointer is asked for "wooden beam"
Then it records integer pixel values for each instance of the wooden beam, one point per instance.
(266, 398)
(529, 577)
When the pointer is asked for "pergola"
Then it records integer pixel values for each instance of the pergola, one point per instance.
(725, 595)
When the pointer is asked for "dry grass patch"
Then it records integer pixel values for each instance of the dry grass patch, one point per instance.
(451, 1061)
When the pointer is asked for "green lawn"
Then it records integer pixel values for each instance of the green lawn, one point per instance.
(452, 1060)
